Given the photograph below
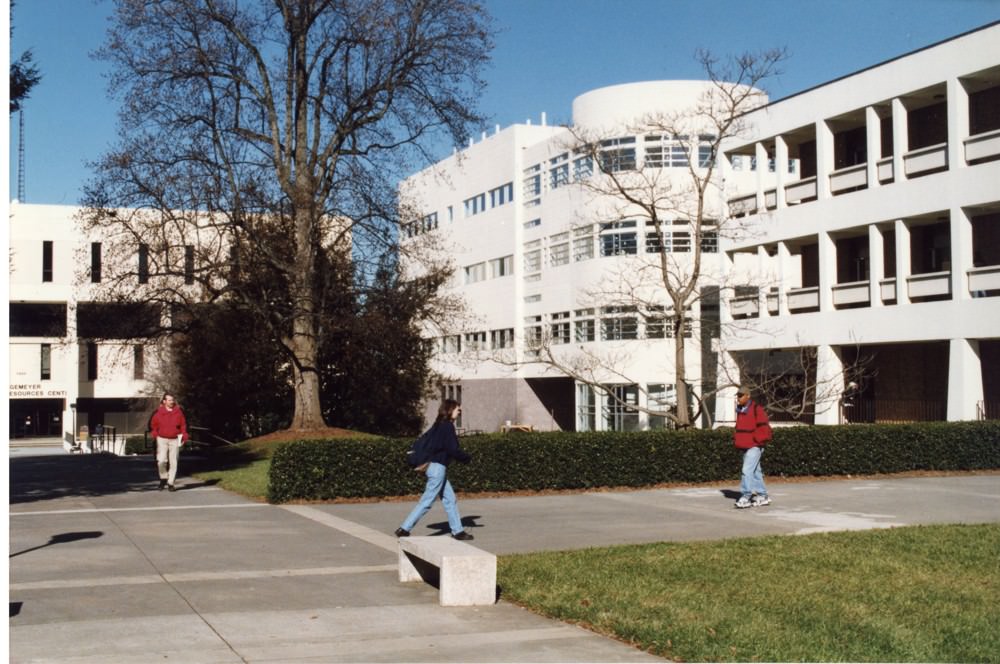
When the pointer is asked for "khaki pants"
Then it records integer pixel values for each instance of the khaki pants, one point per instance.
(167, 451)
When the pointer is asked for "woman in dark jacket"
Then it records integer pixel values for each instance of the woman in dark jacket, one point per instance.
(444, 442)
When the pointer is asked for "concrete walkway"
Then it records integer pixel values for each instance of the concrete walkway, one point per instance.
(106, 568)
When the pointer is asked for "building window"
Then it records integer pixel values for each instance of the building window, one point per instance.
(143, 263)
(45, 370)
(429, 222)
(532, 332)
(583, 167)
(502, 267)
(91, 360)
(617, 244)
(532, 223)
(620, 409)
(530, 299)
(658, 324)
(618, 154)
(475, 205)
(710, 242)
(583, 243)
(502, 338)
(452, 344)
(95, 262)
(532, 261)
(559, 249)
(659, 397)
(618, 327)
(475, 341)
(189, 264)
(584, 327)
(532, 185)
(453, 392)
(46, 261)
(586, 408)
(706, 150)
(138, 362)
(475, 273)
(560, 328)
(502, 195)
(559, 171)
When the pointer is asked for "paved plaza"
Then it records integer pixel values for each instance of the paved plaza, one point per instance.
(106, 568)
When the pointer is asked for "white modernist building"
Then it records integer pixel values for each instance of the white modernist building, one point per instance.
(869, 210)
(65, 373)
(881, 241)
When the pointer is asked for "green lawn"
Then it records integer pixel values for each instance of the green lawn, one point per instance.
(917, 594)
(248, 479)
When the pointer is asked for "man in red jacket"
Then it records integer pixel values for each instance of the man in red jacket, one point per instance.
(753, 431)
(169, 427)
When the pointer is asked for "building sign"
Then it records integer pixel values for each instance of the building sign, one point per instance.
(35, 391)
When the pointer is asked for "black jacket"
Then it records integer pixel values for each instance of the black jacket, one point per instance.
(444, 442)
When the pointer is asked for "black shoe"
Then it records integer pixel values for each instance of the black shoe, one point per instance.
(171, 487)
(463, 536)
(402, 533)
(163, 484)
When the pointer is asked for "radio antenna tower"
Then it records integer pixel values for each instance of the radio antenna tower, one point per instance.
(20, 155)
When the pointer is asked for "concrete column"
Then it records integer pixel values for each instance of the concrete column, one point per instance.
(725, 398)
(780, 170)
(824, 159)
(900, 139)
(784, 269)
(958, 123)
(766, 280)
(876, 265)
(902, 261)
(960, 227)
(725, 295)
(873, 134)
(760, 153)
(829, 384)
(827, 250)
(965, 379)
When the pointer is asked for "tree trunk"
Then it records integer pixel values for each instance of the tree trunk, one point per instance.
(683, 399)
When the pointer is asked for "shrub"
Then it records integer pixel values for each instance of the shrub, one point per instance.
(350, 468)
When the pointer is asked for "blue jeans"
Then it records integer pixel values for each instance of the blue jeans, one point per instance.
(752, 479)
(437, 485)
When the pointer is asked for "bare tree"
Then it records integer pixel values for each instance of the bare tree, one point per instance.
(664, 284)
(268, 135)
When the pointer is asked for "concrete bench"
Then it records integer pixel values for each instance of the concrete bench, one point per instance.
(466, 575)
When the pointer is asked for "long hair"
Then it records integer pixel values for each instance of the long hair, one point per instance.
(446, 409)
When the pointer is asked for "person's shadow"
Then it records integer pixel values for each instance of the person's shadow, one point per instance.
(62, 538)
(729, 493)
(442, 527)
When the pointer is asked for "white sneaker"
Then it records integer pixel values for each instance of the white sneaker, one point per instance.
(760, 501)
(743, 502)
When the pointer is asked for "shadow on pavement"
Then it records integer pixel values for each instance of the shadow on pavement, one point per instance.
(34, 478)
(62, 538)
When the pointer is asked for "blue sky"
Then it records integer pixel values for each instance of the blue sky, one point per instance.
(548, 52)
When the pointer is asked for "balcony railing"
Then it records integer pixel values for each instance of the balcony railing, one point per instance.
(888, 289)
(744, 306)
(983, 279)
(929, 284)
(803, 298)
(799, 191)
(855, 292)
(931, 158)
(743, 205)
(770, 199)
(885, 172)
(982, 146)
(848, 179)
(891, 411)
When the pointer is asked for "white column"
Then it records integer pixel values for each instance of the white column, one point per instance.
(725, 398)
(902, 261)
(900, 139)
(876, 265)
(766, 279)
(873, 134)
(784, 268)
(829, 384)
(780, 170)
(965, 379)
(824, 159)
(958, 123)
(827, 250)
(961, 253)
(760, 152)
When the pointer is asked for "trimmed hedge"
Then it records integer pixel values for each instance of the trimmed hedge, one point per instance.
(348, 468)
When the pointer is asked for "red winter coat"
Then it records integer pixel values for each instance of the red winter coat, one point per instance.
(752, 427)
(169, 423)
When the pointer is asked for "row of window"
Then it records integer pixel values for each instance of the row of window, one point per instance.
(97, 263)
(138, 362)
(498, 267)
(613, 324)
(500, 196)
